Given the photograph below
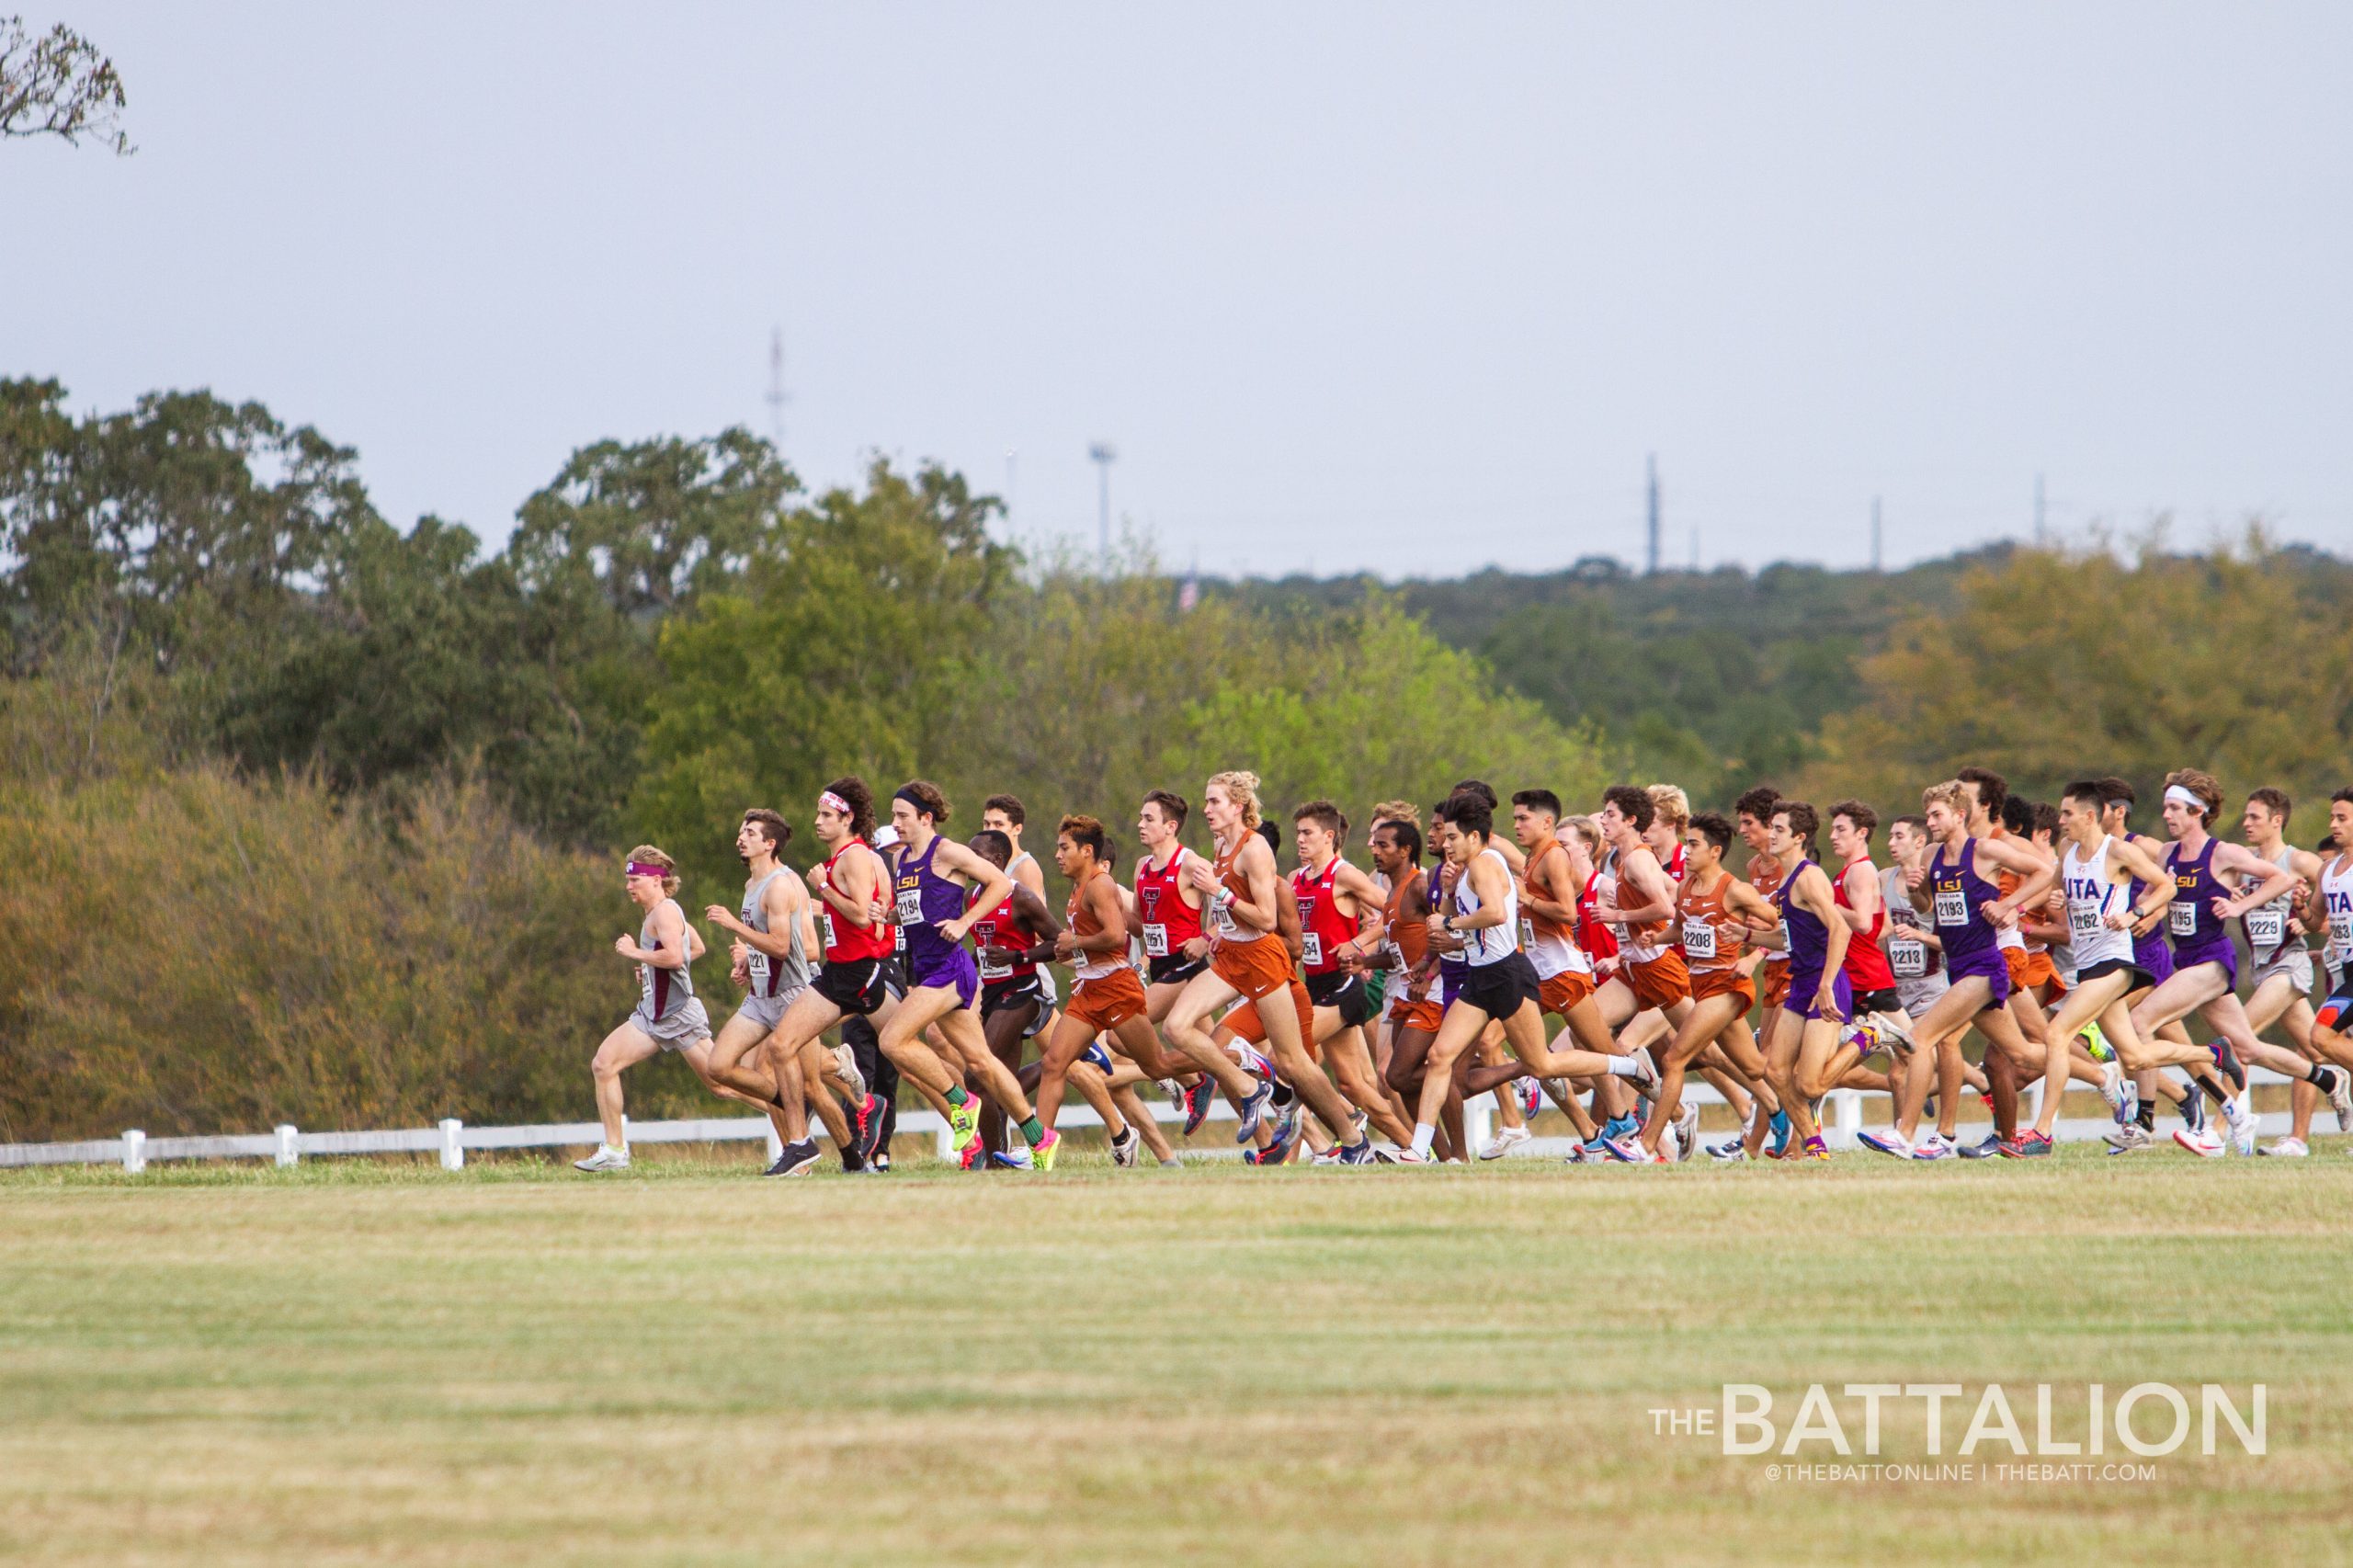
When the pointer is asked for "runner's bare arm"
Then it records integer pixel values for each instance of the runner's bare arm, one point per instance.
(987, 875)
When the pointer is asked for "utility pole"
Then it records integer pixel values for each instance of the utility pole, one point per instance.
(1011, 457)
(776, 399)
(1103, 455)
(1878, 561)
(1653, 510)
(2041, 532)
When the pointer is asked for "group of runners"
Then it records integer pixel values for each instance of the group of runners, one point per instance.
(1347, 1016)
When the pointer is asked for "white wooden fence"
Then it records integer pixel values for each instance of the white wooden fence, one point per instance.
(452, 1138)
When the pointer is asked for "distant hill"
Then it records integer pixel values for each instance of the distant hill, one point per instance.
(1716, 679)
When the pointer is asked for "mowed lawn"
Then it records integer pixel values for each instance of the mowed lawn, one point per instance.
(365, 1363)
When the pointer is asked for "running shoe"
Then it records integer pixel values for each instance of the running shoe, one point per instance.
(1043, 1154)
(1253, 1110)
(2226, 1063)
(605, 1158)
(1531, 1097)
(2128, 1138)
(1623, 1127)
(1275, 1153)
(2096, 1042)
(1645, 1074)
(2111, 1088)
(1815, 1149)
(846, 1064)
(1894, 1028)
(2128, 1110)
(1779, 1123)
(1197, 1100)
(1731, 1151)
(1411, 1157)
(2340, 1096)
(974, 1157)
(1687, 1129)
(2030, 1145)
(1174, 1090)
(1505, 1140)
(1358, 1120)
(2200, 1142)
(1124, 1147)
(797, 1160)
(1985, 1148)
(2289, 1148)
(870, 1122)
(1890, 1143)
(2240, 1124)
(964, 1122)
(1629, 1152)
(1357, 1154)
(1935, 1146)
(1330, 1157)
(1017, 1159)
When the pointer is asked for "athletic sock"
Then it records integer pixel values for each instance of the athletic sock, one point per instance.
(956, 1096)
(1623, 1067)
(2147, 1115)
(2321, 1078)
(1424, 1135)
(1034, 1131)
(2212, 1090)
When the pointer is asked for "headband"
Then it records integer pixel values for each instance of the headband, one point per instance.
(639, 869)
(907, 792)
(834, 802)
(2180, 796)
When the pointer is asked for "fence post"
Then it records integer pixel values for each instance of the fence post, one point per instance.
(290, 1148)
(1478, 1123)
(944, 1141)
(134, 1151)
(453, 1151)
(776, 1144)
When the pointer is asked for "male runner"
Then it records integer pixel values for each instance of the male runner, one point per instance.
(1168, 917)
(2280, 991)
(860, 977)
(1638, 898)
(940, 889)
(1954, 888)
(1498, 983)
(1247, 955)
(2333, 1025)
(2205, 964)
(1715, 913)
(669, 1015)
(1800, 1061)
(775, 935)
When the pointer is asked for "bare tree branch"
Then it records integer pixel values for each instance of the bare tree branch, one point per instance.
(58, 84)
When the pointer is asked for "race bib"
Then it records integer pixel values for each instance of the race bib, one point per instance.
(825, 927)
(2182, 919)
(1699, 940)
(1907, 959)
(992, 969)
(910, 911)
(1396, 955)
(2266, 928)
(1527, 933)
(1221, 921)
(2340, 933)
(1311, 950)
(1953, 908)
(645, 986)
(2083, 922)
(1155, 941)
(755, 964)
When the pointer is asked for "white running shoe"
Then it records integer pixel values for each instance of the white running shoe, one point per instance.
(1935, 1146)
(2128, 1137)
(1174, 1090)
(605, 1158)
(846, 1063)
(2240, 1123)
(1505, 1140)
(2286, 1148)
(1687, 1129)
(1408, 1155)
(2340, 1099)
(1645, 1074)
(1894, 1030)
(2111, 1088)
(2202, 1142)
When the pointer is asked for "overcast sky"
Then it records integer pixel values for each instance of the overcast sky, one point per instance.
(1409, 288)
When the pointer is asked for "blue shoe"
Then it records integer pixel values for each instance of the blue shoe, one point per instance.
(1197, 1100)
(1990, 1146)
(1357, 1154)
(1781, 1126)
(1254, 1110)
(1623, 1127)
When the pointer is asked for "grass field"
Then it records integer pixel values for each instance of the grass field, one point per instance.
(380, 1362)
